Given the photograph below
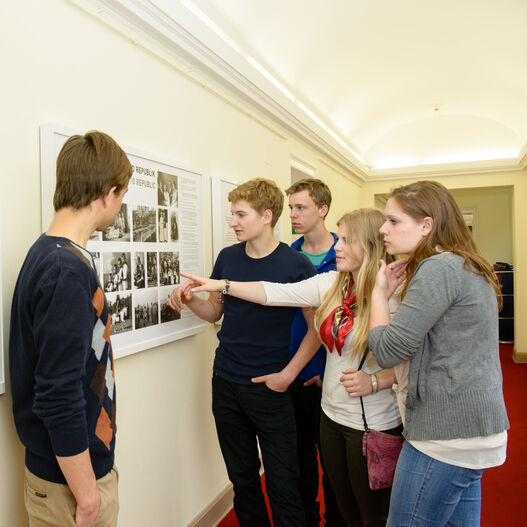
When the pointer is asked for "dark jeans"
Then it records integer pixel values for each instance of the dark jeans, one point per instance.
(348, 473)
(243, 414)
(306, 400)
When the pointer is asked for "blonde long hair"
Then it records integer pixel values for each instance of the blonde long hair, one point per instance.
(449, 231)
(362, 225)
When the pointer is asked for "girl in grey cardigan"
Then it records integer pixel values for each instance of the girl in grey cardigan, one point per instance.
(447, 324)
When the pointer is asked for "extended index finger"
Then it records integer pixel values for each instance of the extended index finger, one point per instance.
(192, 277)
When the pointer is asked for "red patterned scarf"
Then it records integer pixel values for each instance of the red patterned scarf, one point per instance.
(340, 321)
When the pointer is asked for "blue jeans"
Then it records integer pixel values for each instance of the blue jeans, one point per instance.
(430, 493)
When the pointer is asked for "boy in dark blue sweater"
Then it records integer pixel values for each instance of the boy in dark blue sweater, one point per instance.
(60, 355)
(250, 400)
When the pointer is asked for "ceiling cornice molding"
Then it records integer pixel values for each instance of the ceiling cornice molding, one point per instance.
(522, 157)
(207, 58)
(468, 168)
(192, 48)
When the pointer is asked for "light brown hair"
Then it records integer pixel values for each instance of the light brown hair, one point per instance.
(262, 194)
(88, 167)
(318, 190)
(449, 230)
(362, 225)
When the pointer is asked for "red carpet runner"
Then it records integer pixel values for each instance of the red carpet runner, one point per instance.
(504, 488)
(504, 496)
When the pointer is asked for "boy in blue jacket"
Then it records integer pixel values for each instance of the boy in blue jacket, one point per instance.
(309, 202)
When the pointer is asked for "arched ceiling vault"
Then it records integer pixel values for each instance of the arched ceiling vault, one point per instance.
(381, 84)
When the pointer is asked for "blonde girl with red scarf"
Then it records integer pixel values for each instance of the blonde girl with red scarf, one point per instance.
(342, 320)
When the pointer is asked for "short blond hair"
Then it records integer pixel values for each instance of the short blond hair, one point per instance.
(262, 194)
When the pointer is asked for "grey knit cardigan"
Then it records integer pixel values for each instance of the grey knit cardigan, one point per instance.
(448, 324)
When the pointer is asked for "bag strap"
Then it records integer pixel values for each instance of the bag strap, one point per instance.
(366, 429)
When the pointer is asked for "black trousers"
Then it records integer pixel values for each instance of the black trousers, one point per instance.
(246, 415)
(306, 400)
(348, 472)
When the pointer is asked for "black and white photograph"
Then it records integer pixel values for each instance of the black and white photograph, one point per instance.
(167, 191)
(119, 230)
(120, 305)
(144, 223)
(97, 262)
(168, 268)
(167, 313)
(95, 236)
(139, 270)
(151, 270)
(174, 229)
(145, 308)
(116, 271)
(162, 221)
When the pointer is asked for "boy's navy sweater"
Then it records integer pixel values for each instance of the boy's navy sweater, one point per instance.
(61, 360)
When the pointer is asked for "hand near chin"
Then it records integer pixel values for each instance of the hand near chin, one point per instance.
(391, 276)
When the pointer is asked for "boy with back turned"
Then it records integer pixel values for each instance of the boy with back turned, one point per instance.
(60, 354)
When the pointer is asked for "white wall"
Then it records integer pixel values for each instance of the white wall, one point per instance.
(63, 66)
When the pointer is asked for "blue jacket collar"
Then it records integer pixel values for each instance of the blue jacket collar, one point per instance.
(330, 256)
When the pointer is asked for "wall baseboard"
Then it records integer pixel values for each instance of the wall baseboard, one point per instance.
(518, 357)
(215, 511)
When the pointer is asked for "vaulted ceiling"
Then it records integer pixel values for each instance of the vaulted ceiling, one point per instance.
(384, 83)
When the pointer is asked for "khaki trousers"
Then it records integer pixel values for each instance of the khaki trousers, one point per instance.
(53, 504)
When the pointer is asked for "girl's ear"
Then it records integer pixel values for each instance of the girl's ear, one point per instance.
(426, 225)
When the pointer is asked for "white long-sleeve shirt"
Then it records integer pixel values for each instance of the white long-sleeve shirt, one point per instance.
(380, 408)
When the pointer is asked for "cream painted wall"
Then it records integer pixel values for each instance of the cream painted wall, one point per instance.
(63, 66)
(517, 181)
(493, 220)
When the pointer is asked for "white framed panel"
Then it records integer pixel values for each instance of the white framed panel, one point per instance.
(222, 234)
(2, 360)
(470, 218)
(157, 234)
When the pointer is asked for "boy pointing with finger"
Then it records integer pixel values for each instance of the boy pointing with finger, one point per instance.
(254, 346)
